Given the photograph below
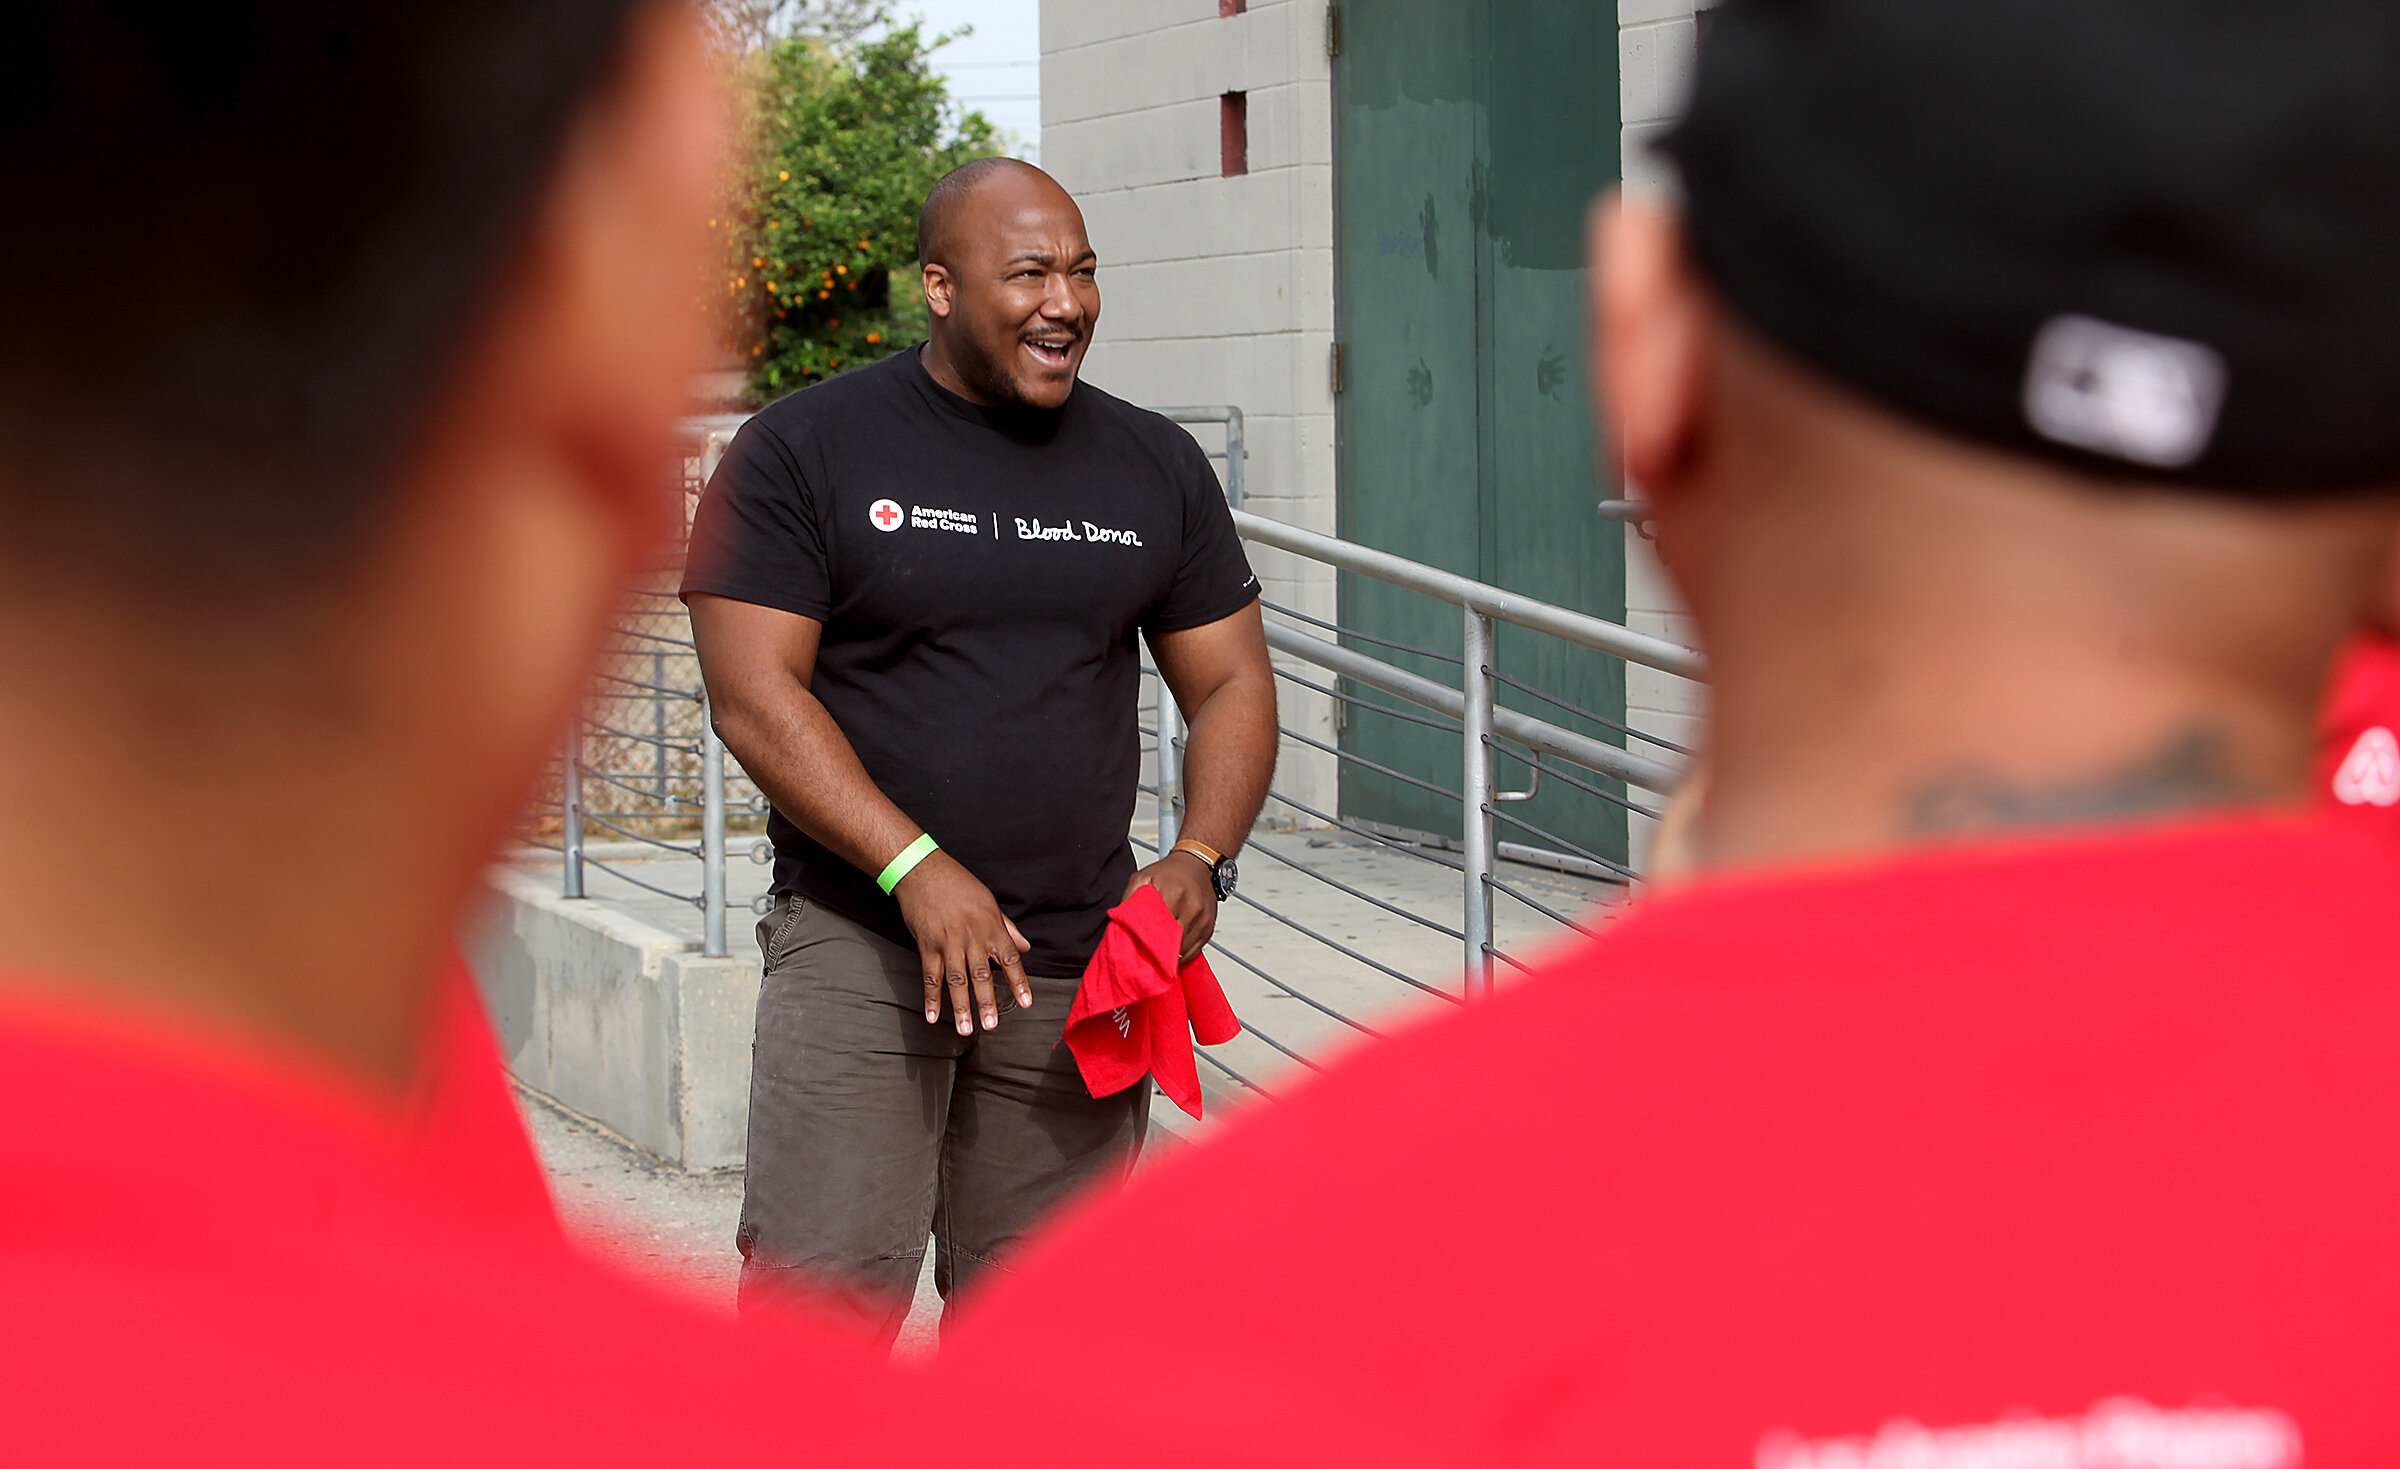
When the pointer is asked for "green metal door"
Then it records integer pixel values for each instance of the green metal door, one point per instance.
(1471, 137)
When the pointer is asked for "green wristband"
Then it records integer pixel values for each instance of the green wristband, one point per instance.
(907, 861)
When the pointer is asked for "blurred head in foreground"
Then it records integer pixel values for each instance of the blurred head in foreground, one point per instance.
(2019, 390)
(2018, 384)
(341, 364)
(339, 356)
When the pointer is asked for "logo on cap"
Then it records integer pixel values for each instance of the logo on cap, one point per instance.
(2131, 395)
(886, 514)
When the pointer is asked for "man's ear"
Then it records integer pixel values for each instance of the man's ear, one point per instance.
(2386, 616)
(540, 490)
(938, 286)
(597, 342)
(1649, 324)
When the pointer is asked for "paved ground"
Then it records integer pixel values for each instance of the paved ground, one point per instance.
(661, 1222)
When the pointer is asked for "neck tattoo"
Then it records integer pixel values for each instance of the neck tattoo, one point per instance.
(2194, 768)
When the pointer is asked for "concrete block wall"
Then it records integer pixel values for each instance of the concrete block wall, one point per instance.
(1214, 289)
(619, 1021)
(1654, 57)
(1220, 290)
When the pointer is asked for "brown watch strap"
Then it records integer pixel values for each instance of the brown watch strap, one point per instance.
(1200, 850)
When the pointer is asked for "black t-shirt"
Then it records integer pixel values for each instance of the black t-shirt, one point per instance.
(981, 574)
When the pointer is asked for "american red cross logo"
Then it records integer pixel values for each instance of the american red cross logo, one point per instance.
(886, 514)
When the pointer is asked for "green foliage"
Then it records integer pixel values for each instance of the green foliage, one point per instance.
(820, 241)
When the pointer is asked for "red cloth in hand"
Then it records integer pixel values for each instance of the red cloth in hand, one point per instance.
(1138, 1011)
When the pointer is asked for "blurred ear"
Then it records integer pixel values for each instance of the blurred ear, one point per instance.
(545, 486)
(2386, 619)
(1649, 342)
(609, 322)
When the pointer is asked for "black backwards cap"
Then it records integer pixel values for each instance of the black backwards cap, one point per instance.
(2145, 237)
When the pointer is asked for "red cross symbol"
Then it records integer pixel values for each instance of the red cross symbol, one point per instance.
(885, 514)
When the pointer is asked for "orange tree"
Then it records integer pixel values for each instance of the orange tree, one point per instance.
(840, 145)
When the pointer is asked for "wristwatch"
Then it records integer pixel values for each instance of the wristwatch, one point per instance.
(1222, 875)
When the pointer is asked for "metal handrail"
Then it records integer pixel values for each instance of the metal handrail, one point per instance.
(1236, 454)
(1536, 734)
(579, 776)
(1581, 629)
(1474, 704)
(574, 815)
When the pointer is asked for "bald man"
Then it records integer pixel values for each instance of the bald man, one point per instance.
(916, 590)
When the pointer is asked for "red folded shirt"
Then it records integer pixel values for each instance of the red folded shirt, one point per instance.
(1138, 1012)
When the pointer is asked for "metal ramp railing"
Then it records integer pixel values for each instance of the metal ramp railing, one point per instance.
(1486, 868)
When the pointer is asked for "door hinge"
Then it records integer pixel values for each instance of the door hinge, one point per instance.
(1333, 30)
(1337, 367)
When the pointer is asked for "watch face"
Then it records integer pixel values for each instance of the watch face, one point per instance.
(1226, 875)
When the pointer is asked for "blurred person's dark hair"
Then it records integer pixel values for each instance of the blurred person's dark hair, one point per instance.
(251, 242)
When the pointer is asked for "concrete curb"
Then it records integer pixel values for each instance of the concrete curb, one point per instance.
(619, 1020)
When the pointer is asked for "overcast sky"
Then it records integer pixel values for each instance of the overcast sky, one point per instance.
(997, 70)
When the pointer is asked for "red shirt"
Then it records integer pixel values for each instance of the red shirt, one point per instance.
(461, 1117)
(2084, 1147)
(2358, 733)
(210, 1255)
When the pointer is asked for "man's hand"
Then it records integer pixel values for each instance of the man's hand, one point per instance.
(960, 932)
(1191, 893)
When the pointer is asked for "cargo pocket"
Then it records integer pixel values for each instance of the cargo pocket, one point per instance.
(774, 932)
